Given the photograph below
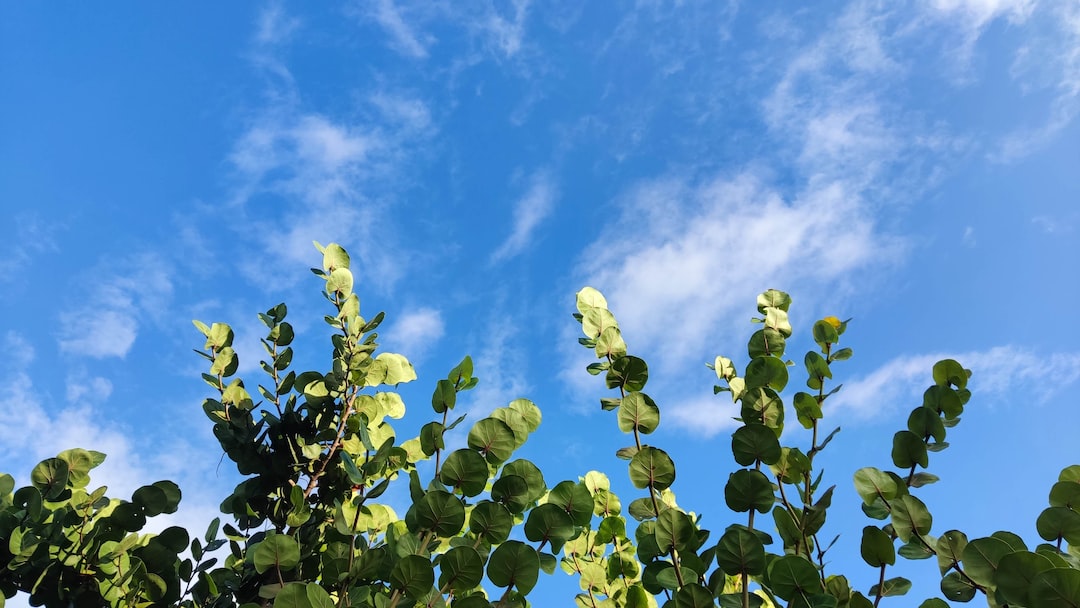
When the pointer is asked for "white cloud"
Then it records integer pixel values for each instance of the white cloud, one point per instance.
(402, 37)
(106, 323)
(976, 14)
(996, 373)
(693, 254)
(969, 236)
(30, 237)
(529, 211)
(1060, 52)
(81, 387)
(414, 332)
(274, 26)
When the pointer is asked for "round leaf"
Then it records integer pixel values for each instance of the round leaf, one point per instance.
(910, 517)
(1016, 575)
(755, 442)
(652, 466)
(514, 564)
(638, 410)
(740, 551)
(50, 477)
(629, 372)
(549, 523)
(790, 575)
(465, 470)
(575, 499)
(491, 521)
(749, 489)
(461, 568)
(493, 438)
(532, 475)
(1056, 588)
(876, 547)
(675, 529)
(981, 557)
(412, 575)
(440, 512)
(512, 491)
(1059, 522)
(278, 551)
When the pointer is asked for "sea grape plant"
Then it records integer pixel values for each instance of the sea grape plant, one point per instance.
(309, 526)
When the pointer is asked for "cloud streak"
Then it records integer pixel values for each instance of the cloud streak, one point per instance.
(529, 211)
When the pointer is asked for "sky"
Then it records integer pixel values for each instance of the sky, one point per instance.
(910, 165)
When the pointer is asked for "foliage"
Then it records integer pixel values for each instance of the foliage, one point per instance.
(318, 449)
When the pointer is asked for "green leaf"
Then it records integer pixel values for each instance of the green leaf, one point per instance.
(551, 523)
(773, 299)
(277, 551)
(910, 518)
(934, 602)
(755, 442)
(909, 450)
(871, 483)
(318, 597)
(610, 343)
(765, 342)
(514, 564)
(1056, 587)
(413, 576)
(444, 397)
(292, 595)
(957, 588)
(494, 439)
(793, 465)
(825, 334)
(532, 476)
(575, 499)
(512, 491)
(440, 512)
(595, 321)
(950, 549)
(675, 529)
(877, 548)
(50, 477)
(892, 587)
(926, 422)
(981, 557)
(693, 595)
(652, 466)
(461, 569)
(766, 371)
(397, 369)
(1065, 494)
(817, 369)
(629, 373)
(807, 409)
(740, 551)
(1059, 522)
(465, 470)
(791, 574)
(638, 410)
(1016, 575)
(334, 256)
(491, 521)
(340, 282)
(528, 411)
(948, 371)
(749, 489)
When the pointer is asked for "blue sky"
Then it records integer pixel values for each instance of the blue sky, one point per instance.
(912, 165)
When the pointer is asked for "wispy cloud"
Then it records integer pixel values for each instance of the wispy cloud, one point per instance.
(997, 373)
(529, 211)
(414, 333)
(28, 236)
(402, 37)
(106, 322)
(304, 175)
(1060, 52)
